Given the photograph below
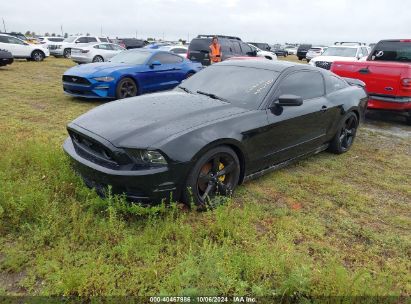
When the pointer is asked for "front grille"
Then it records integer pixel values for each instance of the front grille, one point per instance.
(93, 151)
(52, 47)
(323, 64)
(75, 80)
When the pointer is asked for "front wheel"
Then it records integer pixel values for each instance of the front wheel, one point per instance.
(126, 88)
(344, 138)
(67, 53)
(216, 172)
(37, 56)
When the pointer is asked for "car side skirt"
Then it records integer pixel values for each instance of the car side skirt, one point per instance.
(284, 164)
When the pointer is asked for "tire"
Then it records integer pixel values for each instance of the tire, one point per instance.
(67, 53)
(300, 58)
(206, 178)
(126, 88)
(346, 132)
(408, 118)
(268, 57)
(37, 55)
(98, 58)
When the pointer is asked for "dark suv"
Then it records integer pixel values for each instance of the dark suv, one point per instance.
(302, 51)
(199, 48)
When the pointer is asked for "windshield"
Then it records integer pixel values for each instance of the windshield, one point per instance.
(131, 57)
(241, 86)
(70, 39)
(392, 51)
(340, 51)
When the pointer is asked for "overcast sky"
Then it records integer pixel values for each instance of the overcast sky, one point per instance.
(314, 21)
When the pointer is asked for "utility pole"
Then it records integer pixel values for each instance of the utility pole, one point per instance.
(101, 31)
(4, 26)
(61, 28)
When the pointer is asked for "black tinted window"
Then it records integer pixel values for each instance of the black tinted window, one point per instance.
(200, 45)
(103, 39)
(392, 51)
(335, 84)
(56, 39)
(236, 47)
(165, 58)
(246, 48)
(82, 40)
(92, 39)
(179, 51)
(4, 39)
(305, 84)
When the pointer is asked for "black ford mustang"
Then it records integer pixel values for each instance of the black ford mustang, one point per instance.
(231, 122)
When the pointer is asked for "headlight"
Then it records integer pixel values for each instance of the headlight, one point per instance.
(147, 156)
(104, 79)
(59, 46)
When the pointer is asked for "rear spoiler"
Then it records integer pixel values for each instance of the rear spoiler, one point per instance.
(353, 81)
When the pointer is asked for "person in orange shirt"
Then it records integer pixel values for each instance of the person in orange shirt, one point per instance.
(215, 51)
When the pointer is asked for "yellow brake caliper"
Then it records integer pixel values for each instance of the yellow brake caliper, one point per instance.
(222, 177)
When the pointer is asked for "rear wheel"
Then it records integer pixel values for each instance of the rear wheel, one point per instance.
(98, 58)
(216, 172)
(300, 58)
(126, 88)
(67, 53)
(37, 55)
(344, 138)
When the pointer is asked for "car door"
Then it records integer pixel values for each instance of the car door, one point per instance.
(159, 77)
(18, 47)
(296, 130)
(105, 50)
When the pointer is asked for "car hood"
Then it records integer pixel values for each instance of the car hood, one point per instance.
(92, 69)
(141, 122)
(333, 58)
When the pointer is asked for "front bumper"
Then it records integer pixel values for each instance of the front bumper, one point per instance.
(93, 90)
(148, 186)
(389, 103)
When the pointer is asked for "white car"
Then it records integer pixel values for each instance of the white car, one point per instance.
(291, 50)
(340, 52)
(99, 52)
(20, 49)
(314, 52)
(179, 50)
(266, 54)
(49, 40)
(64, 48)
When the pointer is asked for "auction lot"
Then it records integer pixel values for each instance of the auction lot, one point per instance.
(329, 225)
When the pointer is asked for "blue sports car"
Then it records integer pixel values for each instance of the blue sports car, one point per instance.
(128, 74)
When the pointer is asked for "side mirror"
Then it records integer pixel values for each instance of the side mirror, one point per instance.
(155, 63)
(289, 101)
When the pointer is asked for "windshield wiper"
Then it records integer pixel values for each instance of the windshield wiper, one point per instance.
(185, 89)
(211, 95)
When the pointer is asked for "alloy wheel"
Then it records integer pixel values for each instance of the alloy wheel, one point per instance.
(348, 132)
(37, 56)
(128, 89)
(217, 176)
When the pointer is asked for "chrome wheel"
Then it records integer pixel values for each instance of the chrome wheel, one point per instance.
(37, 56)
(98, 59)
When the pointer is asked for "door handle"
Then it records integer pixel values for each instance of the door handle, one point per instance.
(364, 71)
(324, 108)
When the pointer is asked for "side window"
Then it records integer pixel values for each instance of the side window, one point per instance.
(364, 51)
(82, 40)
(13, 40)
(104, 47)
(165, 58)
(335, 84)
(308, 85)
(116, 47)
(91, 39)
(236, 48)
(246, 48)
(4, 39)
(102, 39)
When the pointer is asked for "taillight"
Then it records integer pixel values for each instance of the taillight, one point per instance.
(405, 40)
(406, 82)
(188, 54)
(85, 51)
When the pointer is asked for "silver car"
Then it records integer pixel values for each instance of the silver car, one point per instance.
(314, 52)
(98, 52)
(179, 50)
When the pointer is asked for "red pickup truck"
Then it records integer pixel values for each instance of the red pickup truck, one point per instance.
(386, 73)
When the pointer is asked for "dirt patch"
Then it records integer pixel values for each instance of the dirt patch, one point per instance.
(10, 282)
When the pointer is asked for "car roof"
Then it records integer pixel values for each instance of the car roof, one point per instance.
(346, 46)
(277, 66)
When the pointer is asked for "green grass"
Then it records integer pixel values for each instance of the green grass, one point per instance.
(328, 225)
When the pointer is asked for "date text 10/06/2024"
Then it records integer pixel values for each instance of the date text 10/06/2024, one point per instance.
(205, 299)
